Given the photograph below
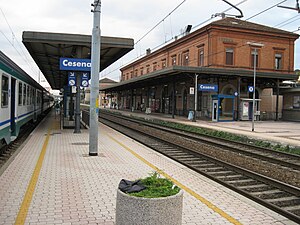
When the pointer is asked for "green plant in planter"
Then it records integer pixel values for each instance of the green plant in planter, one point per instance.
(156, 187)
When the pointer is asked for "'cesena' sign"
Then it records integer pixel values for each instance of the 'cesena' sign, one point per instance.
(75, 64)
(207, 87)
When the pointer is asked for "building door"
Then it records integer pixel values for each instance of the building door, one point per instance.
(184, 103)
(215, 110)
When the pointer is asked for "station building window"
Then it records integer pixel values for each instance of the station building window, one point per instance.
(253, 53)
(229, 56)
(4, 91)
(154, 66)
(296, 102)
(185, 58)
(148, 69)
(142, 71)
(173, 58)
(20, 94)
(201, 57)
(278, 61)
(163, 63)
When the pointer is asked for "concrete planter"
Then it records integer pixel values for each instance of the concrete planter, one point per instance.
(132, 210)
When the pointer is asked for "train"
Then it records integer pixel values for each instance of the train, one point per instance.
(23, 100)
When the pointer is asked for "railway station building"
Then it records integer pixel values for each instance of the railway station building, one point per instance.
(211, 71)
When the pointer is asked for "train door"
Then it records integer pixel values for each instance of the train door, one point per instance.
(184, 103)
(13, 107)
(34, 105)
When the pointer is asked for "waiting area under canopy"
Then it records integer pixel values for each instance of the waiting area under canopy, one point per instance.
(47, 48)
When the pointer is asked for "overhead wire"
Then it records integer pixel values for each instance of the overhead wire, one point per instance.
(222, 51)
(159, 22)
(289, 22)
(265, 10)
(24, 57)
(171, 33)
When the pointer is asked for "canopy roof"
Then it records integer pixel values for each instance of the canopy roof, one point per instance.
(47, 48)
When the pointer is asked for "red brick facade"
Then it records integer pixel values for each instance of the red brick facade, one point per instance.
(209, 46)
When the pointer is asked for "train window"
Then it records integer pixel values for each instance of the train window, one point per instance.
(27, 94)
(20, 93)
(31, 96)
(4, 92)
(38, 99)
(24, 94)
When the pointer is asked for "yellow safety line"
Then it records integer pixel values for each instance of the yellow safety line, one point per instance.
(31, 187)
(188, 190)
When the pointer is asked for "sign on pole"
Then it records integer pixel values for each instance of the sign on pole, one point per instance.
(192, 91)
(85, 80)
(250, 88)
(71, 79)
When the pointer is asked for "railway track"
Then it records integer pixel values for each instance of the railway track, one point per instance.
(280, 158)
(278, 196)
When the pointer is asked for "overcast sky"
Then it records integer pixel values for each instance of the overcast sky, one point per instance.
(129, 19)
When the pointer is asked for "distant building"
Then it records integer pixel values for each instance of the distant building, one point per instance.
(104, 99)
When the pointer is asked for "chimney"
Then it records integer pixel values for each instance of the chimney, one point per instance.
(148, 51)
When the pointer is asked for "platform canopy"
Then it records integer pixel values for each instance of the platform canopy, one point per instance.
(47, 48)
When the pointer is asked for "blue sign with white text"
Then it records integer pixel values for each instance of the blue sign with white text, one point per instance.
(85, 80)
(71, 79)
(207, 87)
(75, 64)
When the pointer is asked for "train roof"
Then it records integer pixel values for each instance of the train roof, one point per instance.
(12, 68)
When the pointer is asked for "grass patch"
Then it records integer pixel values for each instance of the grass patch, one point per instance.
(225, 136)
(156, 187)
(220, 134)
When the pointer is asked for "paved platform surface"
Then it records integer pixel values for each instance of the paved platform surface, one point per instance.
(287, 133)
(53, 181)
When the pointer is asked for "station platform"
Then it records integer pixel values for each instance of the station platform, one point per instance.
(283, 132)
(52, 180)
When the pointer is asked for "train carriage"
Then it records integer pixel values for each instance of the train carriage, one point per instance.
(22, 99)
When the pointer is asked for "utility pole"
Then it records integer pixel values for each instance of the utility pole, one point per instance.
(196, 97)
(95, 60)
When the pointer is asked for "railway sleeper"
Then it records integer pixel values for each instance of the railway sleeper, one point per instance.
(232, 177)
(285, 203)
(275, 193)
(213, 169)
(205, 165)
(294, 209)
(257, 188)
(243, 182)
(224, 172)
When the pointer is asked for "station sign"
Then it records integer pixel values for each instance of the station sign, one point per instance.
(73, 64)
(71, 79)
(84, 80)
(208, 87)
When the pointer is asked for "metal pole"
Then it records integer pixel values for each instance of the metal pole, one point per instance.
(254, 76)
(277, 99)
(77, 103)
(196, 97)
(95, 60)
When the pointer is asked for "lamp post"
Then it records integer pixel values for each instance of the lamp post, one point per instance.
(255, 45)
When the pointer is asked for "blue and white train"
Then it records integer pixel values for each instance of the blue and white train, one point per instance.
(22, 99)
